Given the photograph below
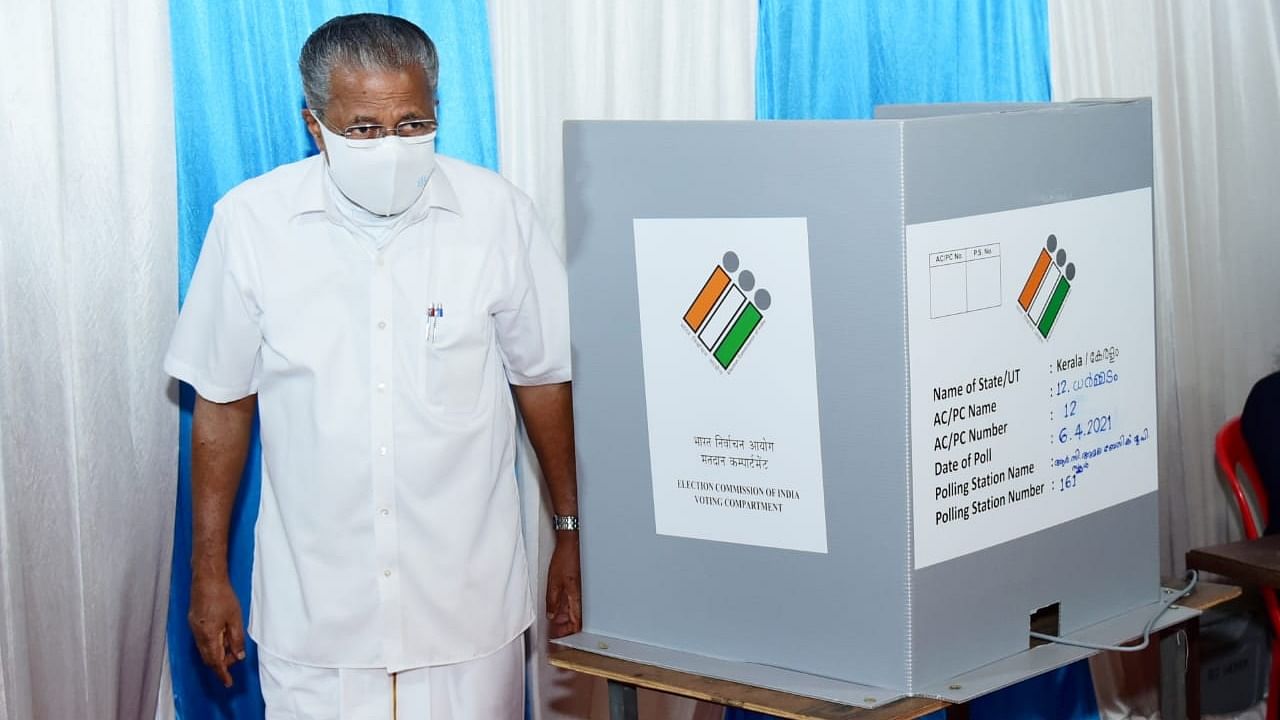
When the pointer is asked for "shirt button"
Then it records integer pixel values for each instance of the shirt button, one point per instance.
(382, 325)
(382, 387)
(384, 512)
(386, 573)
(382, 450)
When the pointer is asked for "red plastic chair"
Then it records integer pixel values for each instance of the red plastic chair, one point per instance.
(1233, 453)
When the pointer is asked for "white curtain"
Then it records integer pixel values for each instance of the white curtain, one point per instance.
(557, 60)
(1213, 72)
(88, 432)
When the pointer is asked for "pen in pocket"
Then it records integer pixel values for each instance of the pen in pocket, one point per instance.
(434, 313)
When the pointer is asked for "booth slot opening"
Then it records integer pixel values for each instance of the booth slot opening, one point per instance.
(1046, 622)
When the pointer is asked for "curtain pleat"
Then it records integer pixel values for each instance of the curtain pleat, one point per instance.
(87, 248)
(1211, 70)
(840, 58)
(557, 60)
(88, 429)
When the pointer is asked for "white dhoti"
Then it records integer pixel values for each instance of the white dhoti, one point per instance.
(487, 687)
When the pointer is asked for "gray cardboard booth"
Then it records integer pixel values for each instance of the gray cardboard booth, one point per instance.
(859, 402)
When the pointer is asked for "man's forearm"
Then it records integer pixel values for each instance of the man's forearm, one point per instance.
(219, 445)
(548, 418)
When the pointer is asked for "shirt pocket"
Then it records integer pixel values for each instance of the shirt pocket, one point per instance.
(457, 361)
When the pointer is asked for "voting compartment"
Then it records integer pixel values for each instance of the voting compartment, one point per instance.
(857, 400)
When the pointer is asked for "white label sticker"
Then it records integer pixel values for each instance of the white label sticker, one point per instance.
(1032, 354)
(726, 321)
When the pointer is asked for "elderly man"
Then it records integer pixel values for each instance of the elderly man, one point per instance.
(384, 310)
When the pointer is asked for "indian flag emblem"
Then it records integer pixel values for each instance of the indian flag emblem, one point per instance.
(723, 317)
(1047, 287)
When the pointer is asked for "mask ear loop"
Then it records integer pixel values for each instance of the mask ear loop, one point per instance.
(319, 123)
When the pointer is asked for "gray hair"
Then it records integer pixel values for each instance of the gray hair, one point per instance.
(367, 41)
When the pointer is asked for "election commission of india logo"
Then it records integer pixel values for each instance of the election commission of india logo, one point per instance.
(727, 311)
(1047, 287)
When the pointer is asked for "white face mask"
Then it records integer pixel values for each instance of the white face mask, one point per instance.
(383, 176)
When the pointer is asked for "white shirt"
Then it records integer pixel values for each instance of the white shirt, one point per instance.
(376, 229)
(388, 531)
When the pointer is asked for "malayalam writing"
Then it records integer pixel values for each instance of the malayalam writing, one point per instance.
(1084, 425)
(1084, 422)
(1030, 382)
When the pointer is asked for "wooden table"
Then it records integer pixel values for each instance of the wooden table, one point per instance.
(625, 676)
(1252, 562)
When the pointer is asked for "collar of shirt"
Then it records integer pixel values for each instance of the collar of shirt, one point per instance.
(377, 230)
(314, 198)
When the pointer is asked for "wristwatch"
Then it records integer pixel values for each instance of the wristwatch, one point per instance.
(565, 522)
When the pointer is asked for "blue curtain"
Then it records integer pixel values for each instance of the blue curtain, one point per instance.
(237, 106)
(839, 59)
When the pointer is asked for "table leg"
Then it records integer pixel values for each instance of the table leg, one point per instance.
(959, 711)
(1193, 669)
(1180, 671)
(1173, 679)
(622, 701)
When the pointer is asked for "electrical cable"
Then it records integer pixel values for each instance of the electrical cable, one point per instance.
(1146, 631)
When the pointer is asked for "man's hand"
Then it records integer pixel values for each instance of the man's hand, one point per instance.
(564, 587)
(548, 417)
(215, 621)
(219, 443)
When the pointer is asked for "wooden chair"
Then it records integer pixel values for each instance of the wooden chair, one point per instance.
(1233, 456)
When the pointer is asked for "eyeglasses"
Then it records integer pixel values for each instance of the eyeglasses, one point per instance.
(409, 129)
